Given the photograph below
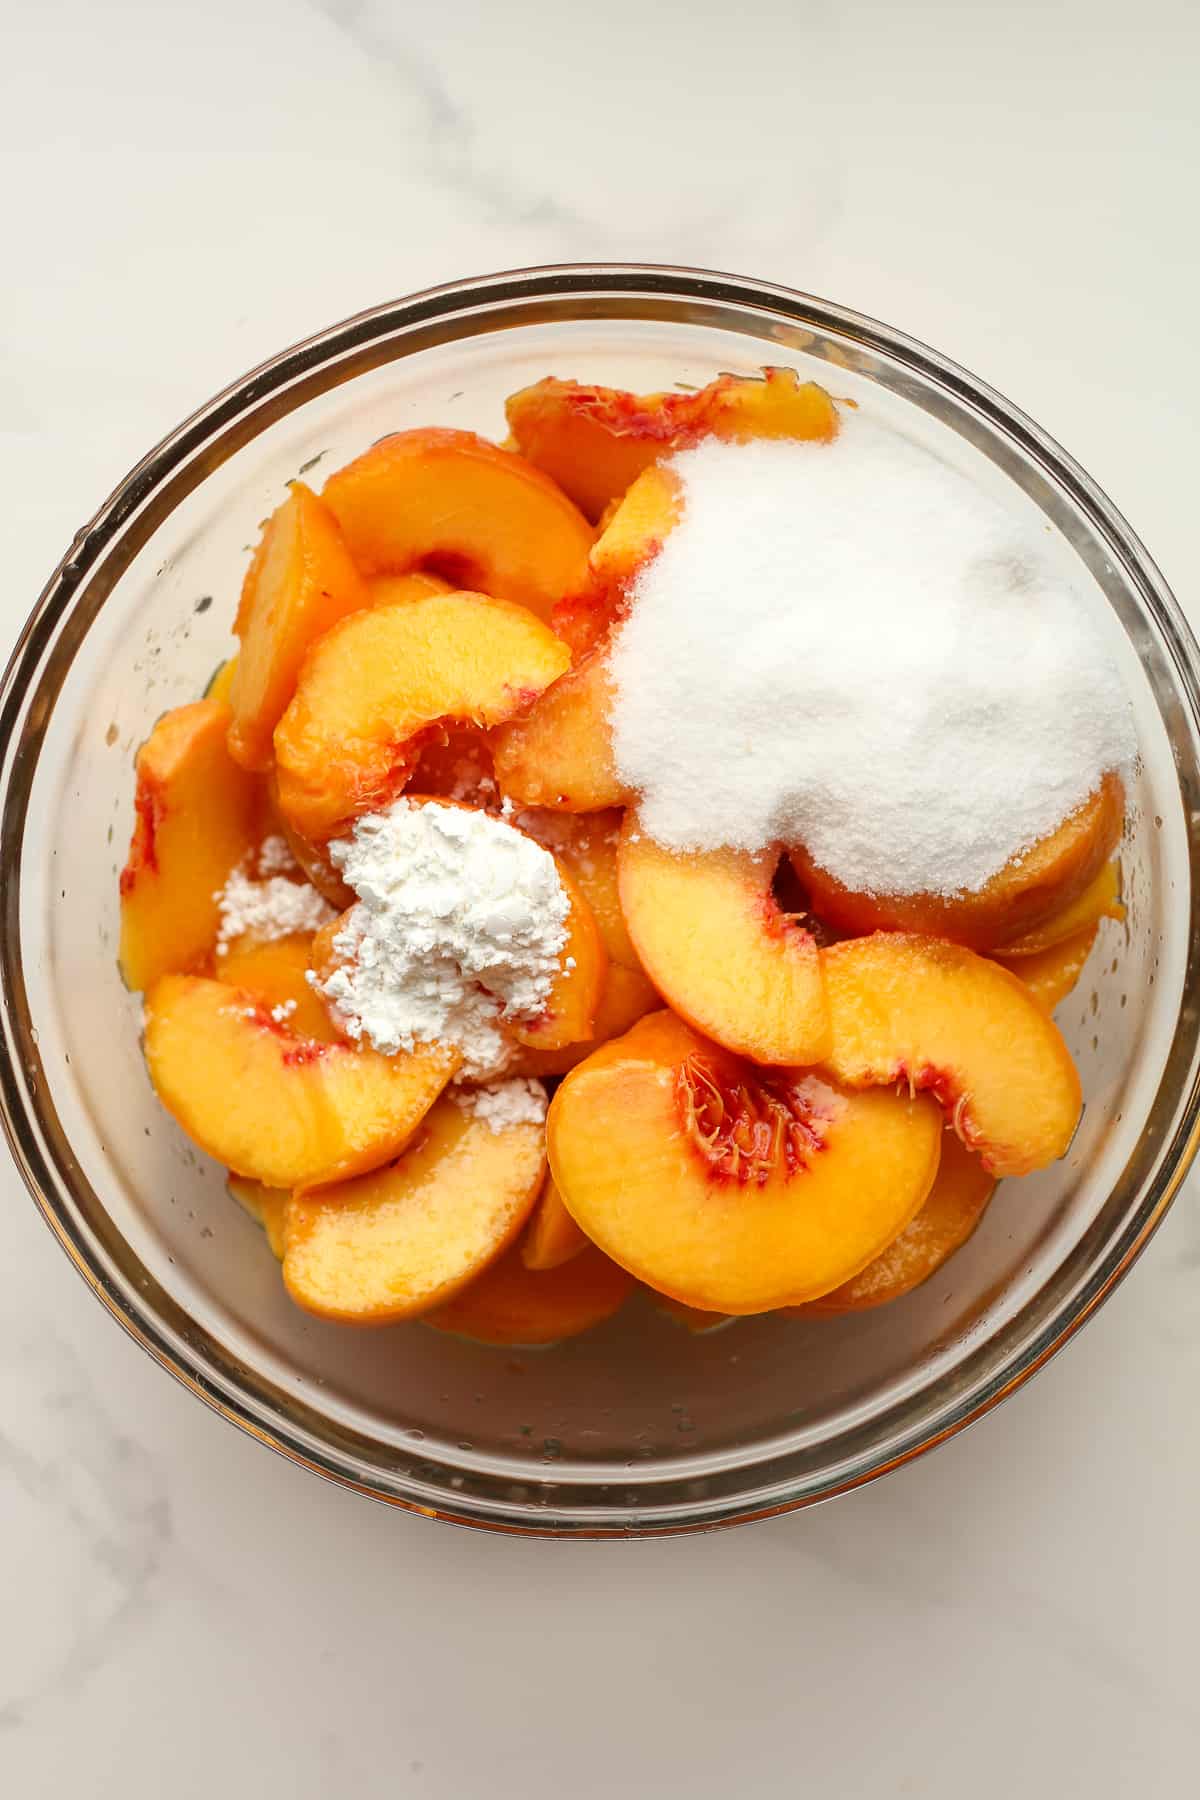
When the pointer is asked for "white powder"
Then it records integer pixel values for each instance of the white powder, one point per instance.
(274, 857)
(274, 908)
(505, 1103)
(849, 646)
(459, 924)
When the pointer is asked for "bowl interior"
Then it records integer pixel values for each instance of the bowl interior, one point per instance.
(638, 1423)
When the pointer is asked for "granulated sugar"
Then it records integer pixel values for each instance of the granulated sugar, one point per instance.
(459, 924)
(273, 908)
(850, 647)
(505, 1103)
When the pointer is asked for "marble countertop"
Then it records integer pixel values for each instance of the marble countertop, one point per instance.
(187, 188)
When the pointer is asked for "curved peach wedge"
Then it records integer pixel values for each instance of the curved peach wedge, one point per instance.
(275, 973)
(265, 1206)
(559, 754)
(1101, 899)
(553, 1237)
(300, 582)
(625, 997)
(940, 1018)
(1026, 891)
(370, 687)
(594, 441)
(587, 843)
(515, 1305)
(397, 1242)
(388, 590)
(281, 1109)
(196, 816)
(450, 500)
(720, 951)
(1051, 974)
(728, 1189)
(637, 529)
(575, 993)
(957, 1201)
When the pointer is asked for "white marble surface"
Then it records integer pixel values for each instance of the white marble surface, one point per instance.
(187, 188)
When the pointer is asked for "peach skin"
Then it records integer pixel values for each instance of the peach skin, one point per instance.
(374, 684)
(395, 1243)
(197, 814)
(720, 951)
(939, 1018)
(726, 1188)
(281, 1109)
(300, 582)
(482, 516)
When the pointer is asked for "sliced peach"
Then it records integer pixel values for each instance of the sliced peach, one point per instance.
(718, 948)
(1101, 899)
(456, 764)
(512, 1304)
(587, 843)
(388, 590)
(625, 997)
(595, 441)
(728, 1189)
(397, 1242)
(265, 1206)
(370, 687)
(937, 1016)
(197, 816)
(553, 1236)
(275, 972)
(1052, 973)
(1029, 889)
(957, 1201)
(694, 1319)
(300, 582)
(637, 529)
(448, 499)
(222, 681)
(558, 754)
(575, 993)
(271, 1105)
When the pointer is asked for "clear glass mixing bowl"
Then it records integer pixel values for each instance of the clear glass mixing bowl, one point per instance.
(637, 1427)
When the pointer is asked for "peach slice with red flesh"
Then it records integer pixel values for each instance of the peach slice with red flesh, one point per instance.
(525, 1308)
(1028, 890)
(265, 1206)
(395, 1243)
(279, 1108)
(1050, 974)
(937, 1017)
(374, 685)
(719, 949)
(482, 516)
(558, 753)
(197, 814)
(275, 972)
(1101, 899)
(553, 1237)
(595, 441)
(727, 1188)
(957, 1202)
(300, 582)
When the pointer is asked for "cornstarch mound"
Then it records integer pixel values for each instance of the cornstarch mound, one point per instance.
(849, 646)
(459, 924)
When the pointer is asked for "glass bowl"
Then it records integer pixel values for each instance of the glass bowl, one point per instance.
(636, 1428)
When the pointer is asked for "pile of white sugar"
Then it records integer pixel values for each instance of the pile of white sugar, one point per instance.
(458, 926)
(849, 646)
(261, 902)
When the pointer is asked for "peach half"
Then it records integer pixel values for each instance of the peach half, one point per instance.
(957, 1201)
(197, 814)
(482, 516)
(937, 1017)
(525, 1308)
(726, 1188)
(281, 1109)
(1028, 890)
(300, 582)
(373, 685)
(721, 952)
(392, 1244)
(595, 441)
(558, 753)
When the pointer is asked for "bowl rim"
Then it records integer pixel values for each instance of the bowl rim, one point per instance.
(262, 392)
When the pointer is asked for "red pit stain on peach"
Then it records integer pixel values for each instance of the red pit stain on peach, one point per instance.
(748, 1129)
